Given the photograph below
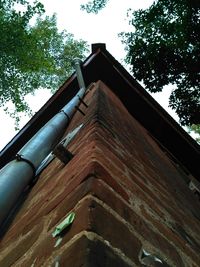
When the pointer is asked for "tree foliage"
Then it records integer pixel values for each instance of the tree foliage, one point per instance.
(164, 48)
(195, 128)
(32, 57)
(94, 6)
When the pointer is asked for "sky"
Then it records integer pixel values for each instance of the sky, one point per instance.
(101, 28)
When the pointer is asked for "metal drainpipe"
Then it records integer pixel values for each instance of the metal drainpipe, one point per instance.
(18, 173)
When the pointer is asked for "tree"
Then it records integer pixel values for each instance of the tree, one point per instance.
(94, 6)
(164, 48)
(32, 57)
(195, 128)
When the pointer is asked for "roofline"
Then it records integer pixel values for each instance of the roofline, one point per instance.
(101, 65)
(63, 95)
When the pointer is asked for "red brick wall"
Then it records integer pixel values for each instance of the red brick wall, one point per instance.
(125, 192)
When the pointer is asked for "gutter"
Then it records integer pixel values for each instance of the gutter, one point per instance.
(18, 173)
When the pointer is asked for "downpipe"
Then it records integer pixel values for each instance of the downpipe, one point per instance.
(17, 174)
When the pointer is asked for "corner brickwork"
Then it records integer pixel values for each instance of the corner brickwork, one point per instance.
(125, 192)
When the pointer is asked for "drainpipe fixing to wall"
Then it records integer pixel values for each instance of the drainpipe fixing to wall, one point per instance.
(18, 173)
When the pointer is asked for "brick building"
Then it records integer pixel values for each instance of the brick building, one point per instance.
(130, 188)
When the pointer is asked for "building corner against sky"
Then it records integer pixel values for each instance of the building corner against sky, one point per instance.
(93, 29)
(125, 196)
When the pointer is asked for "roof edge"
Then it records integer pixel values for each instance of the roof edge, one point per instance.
(101, 65)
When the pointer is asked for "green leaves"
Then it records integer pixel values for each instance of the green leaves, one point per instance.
(32, 57)
(94, 6)
(195, 128)
(164, 48)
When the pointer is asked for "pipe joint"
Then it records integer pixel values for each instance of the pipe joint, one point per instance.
(19, 157)
(65, 114)
(77, 61)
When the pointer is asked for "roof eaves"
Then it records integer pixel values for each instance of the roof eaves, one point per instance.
(152, 116)
(60, 98)
(101, 65)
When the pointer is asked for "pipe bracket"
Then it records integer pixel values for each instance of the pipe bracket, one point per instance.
(19, 157)
(82, 101)
(65, 114)
(78, 109)
(62, 153)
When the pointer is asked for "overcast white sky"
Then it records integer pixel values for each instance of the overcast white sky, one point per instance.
(103, 28)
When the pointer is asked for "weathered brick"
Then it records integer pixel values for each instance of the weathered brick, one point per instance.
(120, 183)
(102, 222)
(167, 232)
(90, 216)
(21, 242)
(137, 223)
(93, 217)
(90, 253)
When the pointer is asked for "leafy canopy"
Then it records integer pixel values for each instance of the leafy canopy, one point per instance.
(32, 57)
(195, 128)
(94, 6)
(164, 48)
